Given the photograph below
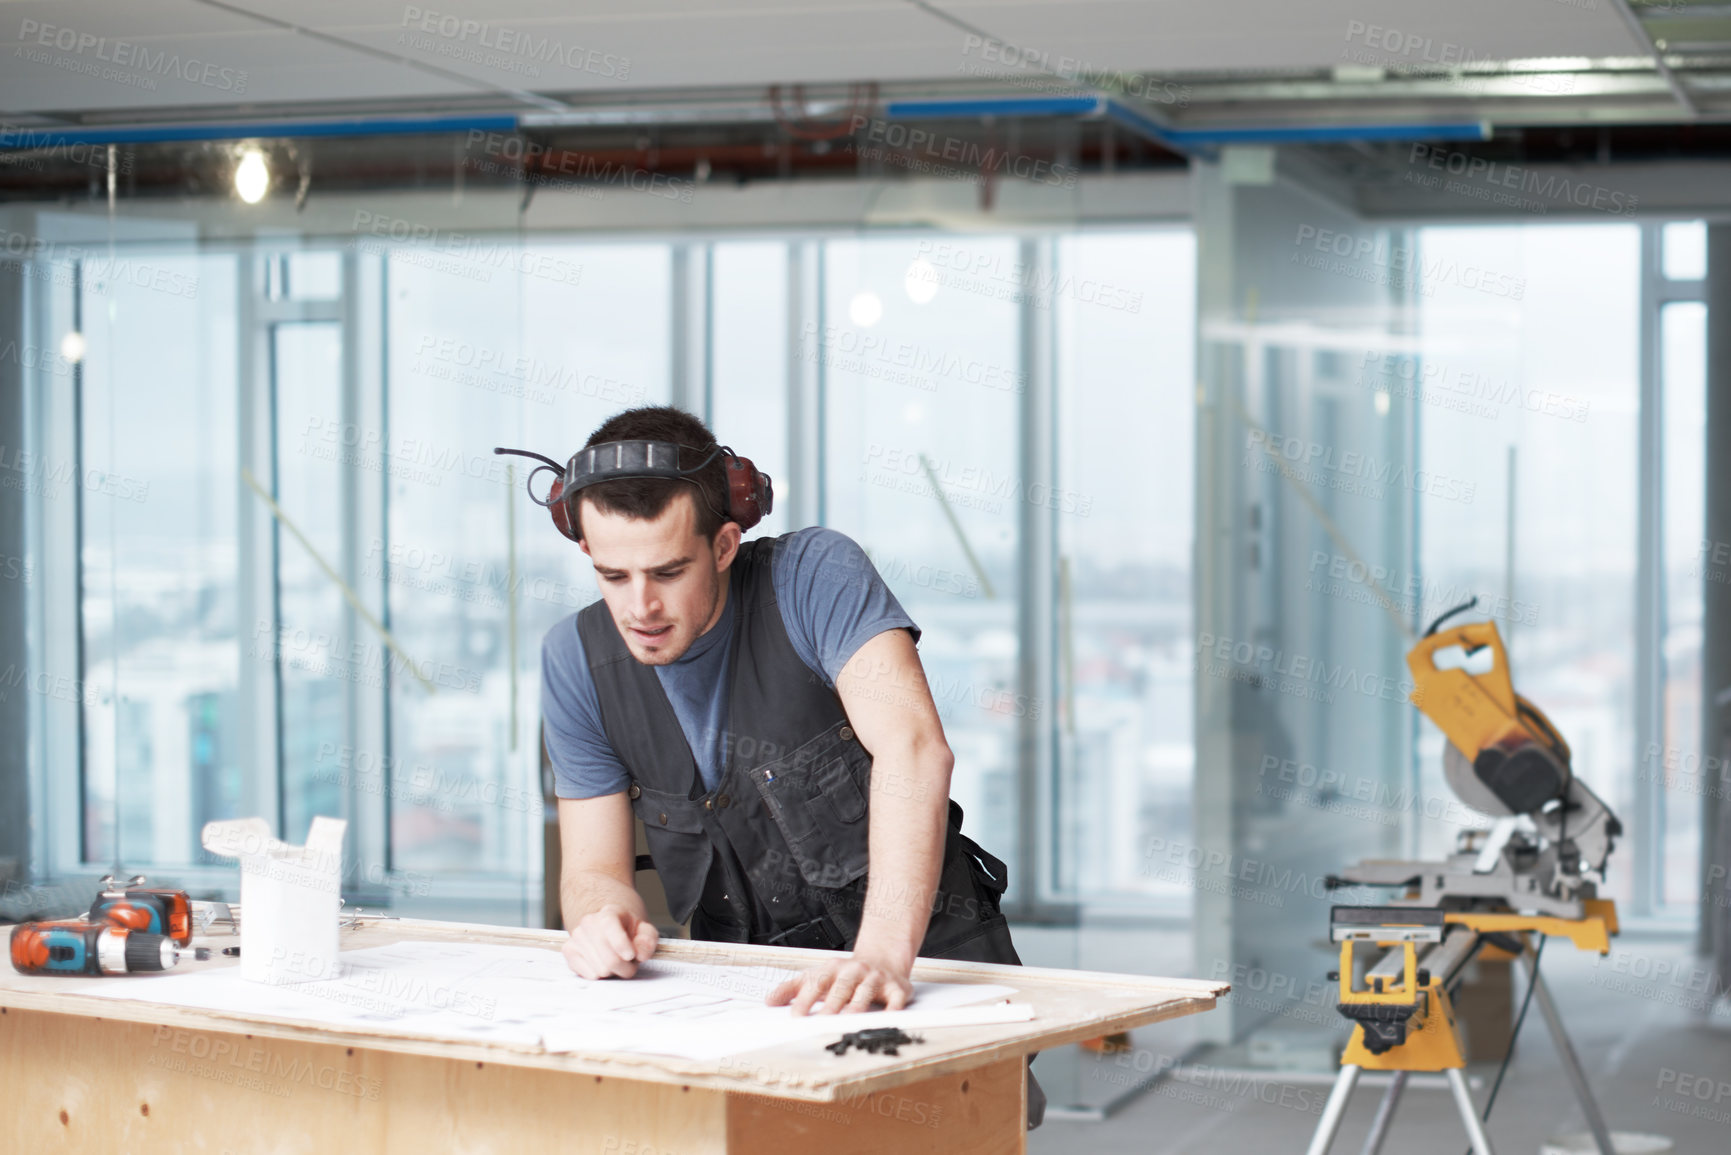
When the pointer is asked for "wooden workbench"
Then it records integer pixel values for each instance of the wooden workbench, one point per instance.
(121, 1076)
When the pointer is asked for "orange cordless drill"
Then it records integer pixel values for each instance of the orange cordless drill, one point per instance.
(76, 947)
(154, 910)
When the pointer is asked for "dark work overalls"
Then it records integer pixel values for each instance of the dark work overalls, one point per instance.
(776, 852)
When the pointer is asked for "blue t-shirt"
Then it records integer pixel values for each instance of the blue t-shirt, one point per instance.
(832, 602)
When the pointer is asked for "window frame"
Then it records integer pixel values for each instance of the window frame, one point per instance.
(1648, 825)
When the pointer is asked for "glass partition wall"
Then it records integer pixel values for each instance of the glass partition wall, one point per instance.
(1531, 397)
(150, 475)
(1566, 384)
(1395, 419)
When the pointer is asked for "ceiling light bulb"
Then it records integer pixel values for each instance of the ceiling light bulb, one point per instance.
(251, 177)
(921, 281)
(72, 346)
(866, 309)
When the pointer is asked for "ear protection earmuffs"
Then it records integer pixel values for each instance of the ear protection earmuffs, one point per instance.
(750, 497)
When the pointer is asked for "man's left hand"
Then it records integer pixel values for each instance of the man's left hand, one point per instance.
(855, 983)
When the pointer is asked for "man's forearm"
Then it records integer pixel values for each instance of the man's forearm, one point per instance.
(583, 892)
(908, 818)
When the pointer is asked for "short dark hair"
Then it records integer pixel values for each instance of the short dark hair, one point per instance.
(646, 498)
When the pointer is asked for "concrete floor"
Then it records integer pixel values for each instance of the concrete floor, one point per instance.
(1657, 1060)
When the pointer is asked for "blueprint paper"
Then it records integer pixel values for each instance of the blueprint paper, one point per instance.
(524, 995)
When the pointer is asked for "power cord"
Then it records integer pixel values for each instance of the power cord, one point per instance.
(1514, 1033)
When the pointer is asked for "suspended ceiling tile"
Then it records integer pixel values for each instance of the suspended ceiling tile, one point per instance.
(235, 68)
(22, 20)
(460, 47)
(1162, 35)
(707, 47)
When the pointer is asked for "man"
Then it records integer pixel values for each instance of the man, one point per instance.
(761, 707)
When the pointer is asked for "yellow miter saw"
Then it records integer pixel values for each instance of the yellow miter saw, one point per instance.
(1525, 877)
(1505, 760)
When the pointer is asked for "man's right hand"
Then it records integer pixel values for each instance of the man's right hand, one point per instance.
(609, 943)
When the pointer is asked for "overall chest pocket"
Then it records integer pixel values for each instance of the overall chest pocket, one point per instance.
(817, 797)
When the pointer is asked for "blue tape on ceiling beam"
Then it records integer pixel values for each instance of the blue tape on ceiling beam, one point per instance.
(12, 138)
(1002, 106)
(1178, 140)
(1318, 134)
(1142, 124)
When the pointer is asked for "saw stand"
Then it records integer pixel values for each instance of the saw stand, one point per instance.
(1406, 1022)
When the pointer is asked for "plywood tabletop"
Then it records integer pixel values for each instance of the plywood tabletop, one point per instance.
(1068, 1006)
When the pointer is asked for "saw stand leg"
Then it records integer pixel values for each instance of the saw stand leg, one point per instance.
(1384, 1114)
(1469, 1113)
(1335, 1109)
(1566, 1052)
